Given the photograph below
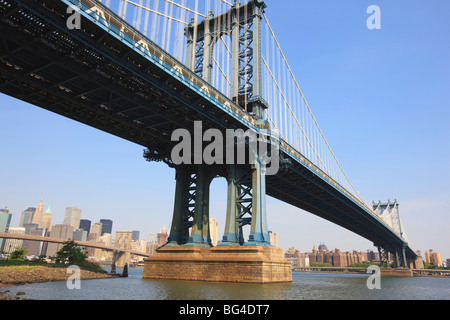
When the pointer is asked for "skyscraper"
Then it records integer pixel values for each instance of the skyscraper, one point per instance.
(37, 216)
(106, 226)
(72, 217)
(27, 216)
(135, 235)
(5, 220)
(47, 220)
(96, 230)
(11, 244)
(85, 225)
(59, 231)
(214, 229)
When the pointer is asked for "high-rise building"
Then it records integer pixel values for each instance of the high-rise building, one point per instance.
(135, 235)
(434, 258)
(11, 244)
(80, 235)
(162, 237)
(59, 231)
(27, 216)
(273, 238)
(151, 238)
(85, 225)
(5, 221)
(37, 248)
(38, 214)
(96, 231)
(106, 226)
(47, 220)
(72, 217)
(213, 230)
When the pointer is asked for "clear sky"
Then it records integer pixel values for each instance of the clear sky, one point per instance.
(380, 96)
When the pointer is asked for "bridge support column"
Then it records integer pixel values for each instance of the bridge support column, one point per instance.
(404, 261)
(259, 234)
(191, 208)
(236, 207)
(246, 205)
(200, 234)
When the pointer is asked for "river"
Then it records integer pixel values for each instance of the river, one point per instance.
(305, 286)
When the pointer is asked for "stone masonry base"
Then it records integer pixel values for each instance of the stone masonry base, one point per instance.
(252, 264)
(392, 272)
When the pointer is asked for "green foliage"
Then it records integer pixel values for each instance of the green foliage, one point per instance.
(320, 265)
(432, 266)
(361, 265)
(19, 254)
(72, 254)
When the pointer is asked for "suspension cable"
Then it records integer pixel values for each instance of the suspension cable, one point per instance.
(186, 8)
(307, 105)
(155, 12)
(289, 106)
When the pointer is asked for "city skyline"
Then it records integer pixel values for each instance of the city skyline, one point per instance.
(145, 237)
(379, 95)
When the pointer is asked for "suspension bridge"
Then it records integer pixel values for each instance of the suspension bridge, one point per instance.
(142, 69)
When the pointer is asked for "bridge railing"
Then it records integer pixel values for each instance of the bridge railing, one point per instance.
(126, 33)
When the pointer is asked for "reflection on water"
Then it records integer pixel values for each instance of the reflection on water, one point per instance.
(305, 286)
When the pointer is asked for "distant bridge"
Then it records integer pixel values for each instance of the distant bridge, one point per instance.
(85, 244)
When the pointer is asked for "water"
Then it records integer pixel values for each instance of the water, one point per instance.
(305, 286)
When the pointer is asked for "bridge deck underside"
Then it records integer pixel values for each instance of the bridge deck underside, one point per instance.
(90, 76)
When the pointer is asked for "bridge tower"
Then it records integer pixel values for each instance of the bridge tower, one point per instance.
(246, 184)
(389, 213)
(189, 238)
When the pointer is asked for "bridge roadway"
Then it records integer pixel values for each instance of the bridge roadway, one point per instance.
(80, 243)
(109, 76)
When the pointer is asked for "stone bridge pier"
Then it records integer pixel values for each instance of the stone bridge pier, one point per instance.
(189, 254)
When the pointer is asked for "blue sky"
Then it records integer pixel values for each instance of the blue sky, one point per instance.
(380, 96)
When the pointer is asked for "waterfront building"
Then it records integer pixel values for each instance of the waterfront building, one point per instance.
(433, 258)
(335, 258)
(5, 221)
(72, 217)
(106, 226)
(297, 259)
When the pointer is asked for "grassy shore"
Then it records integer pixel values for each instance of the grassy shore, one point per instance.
(13, 274)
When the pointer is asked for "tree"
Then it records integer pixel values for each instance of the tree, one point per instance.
(70, 253)
(19, 254)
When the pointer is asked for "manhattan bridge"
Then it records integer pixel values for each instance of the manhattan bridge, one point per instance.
(142, 69)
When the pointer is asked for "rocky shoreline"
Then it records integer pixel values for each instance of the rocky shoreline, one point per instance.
(19, 275)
